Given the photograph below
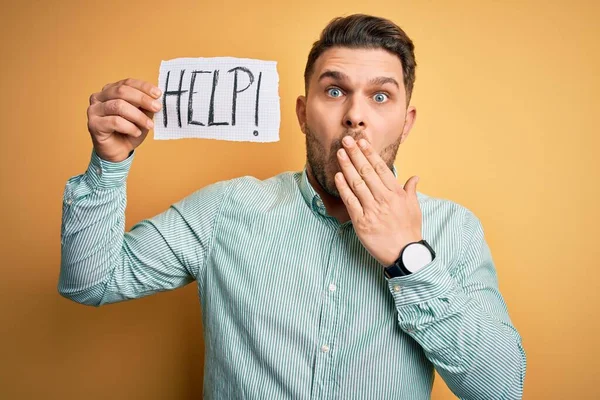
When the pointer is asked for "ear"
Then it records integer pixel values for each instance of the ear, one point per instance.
(301, 112)
(409, 121)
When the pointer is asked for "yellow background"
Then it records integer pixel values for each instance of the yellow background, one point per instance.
(507, 99)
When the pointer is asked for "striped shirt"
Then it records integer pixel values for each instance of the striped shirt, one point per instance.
(293, 306)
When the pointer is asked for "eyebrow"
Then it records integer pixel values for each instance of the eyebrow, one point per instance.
(340, 76)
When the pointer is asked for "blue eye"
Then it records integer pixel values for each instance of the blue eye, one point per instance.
(380, 97)
(334, 92)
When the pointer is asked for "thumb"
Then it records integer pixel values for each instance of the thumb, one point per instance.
(411, 185)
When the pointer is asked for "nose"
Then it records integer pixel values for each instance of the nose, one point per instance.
(354, 117)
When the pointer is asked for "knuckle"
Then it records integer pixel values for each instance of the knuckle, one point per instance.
(121, 90)
(146, 87)
(128, 81)
(366, 170)
(349, 200)
(119, 124)
(139, 116)
(108, 107)
(381, 167)
(92, 98)
(145, 101)
(119, 107)
(111, 107)
(113, 121)
(357, 184)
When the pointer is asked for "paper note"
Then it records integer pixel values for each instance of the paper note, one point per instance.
(222, 98)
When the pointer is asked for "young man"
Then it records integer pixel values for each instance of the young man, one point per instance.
(332, 282)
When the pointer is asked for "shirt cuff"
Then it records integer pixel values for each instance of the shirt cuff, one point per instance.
(102, 174)
(432, 281)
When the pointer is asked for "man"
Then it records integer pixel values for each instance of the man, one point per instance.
(333, 282)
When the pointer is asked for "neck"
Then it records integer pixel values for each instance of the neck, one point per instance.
(334, 205)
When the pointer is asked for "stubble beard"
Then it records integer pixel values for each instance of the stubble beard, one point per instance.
(324, 163)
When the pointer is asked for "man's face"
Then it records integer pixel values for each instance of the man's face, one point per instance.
(356, 92)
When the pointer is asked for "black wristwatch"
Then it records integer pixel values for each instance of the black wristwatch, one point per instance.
(413, 257)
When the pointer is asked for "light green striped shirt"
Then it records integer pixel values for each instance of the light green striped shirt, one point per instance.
(293, 306)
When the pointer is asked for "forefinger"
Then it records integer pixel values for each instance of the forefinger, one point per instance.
(132, 95)
(380, 167)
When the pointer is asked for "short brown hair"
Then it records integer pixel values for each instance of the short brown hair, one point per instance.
(367, 32)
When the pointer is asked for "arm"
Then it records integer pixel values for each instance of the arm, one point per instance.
(456, 314)
(461, 321)
(101, 263)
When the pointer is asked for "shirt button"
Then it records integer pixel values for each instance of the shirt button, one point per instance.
(332, 287)
(396, 288)
(69, 201)
(99, 171)
(325, 348)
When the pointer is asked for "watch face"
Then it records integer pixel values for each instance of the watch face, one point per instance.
(416, 256)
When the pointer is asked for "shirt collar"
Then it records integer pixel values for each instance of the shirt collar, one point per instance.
(312, 198)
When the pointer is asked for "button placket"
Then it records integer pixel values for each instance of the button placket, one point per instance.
(330, 315)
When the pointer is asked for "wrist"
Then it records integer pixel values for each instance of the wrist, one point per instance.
(113, 158)
(393, 255)
(413, 257)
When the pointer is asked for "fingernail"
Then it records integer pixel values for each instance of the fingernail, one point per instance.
(155, 92)
(362, 143)
(347, 140)
(342, 153)
(150, 124)
(156, 105)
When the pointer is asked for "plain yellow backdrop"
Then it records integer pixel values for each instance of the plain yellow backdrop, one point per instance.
(507, 103)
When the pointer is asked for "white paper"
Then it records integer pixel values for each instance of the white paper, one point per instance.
(210, 114)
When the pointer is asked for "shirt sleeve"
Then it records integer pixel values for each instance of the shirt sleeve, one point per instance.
(101, 263)
(461, 321)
